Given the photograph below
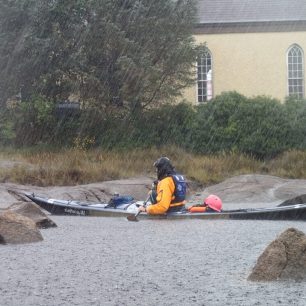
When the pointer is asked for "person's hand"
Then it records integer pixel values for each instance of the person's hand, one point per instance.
(154, 184)
(142, 208)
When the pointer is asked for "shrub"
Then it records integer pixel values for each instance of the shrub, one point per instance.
(263, 127)
(7, 134)
(231, 122)
(260, 126)
(33, 121)
(215, 129)
(295, 113)
(170, 124)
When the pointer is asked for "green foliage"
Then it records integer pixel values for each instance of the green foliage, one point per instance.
(264, 127)
(126, 61)
(15, 20)
(295, 112)
(231, 122)
(215, 128)
(33, 121)
(169, 124)
(7, 134)
(261, 127)
(113, 54)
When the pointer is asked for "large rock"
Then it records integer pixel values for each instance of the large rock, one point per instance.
(96, 192)
(15, 228)
(32, 211)
(253, 190)
(284, 258)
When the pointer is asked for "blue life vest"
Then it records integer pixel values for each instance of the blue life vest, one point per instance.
(180, 188)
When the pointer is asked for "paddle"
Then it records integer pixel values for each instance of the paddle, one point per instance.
(134, 217)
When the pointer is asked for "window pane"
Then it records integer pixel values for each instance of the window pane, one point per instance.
(295, 71)
(204, 68)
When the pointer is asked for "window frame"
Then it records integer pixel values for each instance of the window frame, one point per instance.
(296, 71)
(206, 55)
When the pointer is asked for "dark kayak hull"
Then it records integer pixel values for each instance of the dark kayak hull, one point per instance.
(77, 208)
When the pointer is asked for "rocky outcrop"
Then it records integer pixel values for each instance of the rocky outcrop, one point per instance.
(301, 199)
(33, 212)
(96, 192)
(252, 190)
(284, 258)
(15, 228)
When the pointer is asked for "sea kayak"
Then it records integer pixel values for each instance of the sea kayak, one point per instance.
(78, 208)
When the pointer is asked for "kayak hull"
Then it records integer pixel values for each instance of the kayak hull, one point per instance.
(77, 208)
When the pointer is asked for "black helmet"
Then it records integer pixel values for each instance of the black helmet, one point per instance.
(164, 167)
(162, 161)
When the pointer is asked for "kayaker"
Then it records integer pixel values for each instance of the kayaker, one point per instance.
(170, 192)
(211, 204)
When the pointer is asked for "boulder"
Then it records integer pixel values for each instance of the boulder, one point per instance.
(32, 211)
(284, 258)
(15, 228)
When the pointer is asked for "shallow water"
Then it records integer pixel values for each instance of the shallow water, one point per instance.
(110, 261)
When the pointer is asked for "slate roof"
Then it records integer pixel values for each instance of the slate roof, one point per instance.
(239, 11)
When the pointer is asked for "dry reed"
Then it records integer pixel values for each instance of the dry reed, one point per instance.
(74, 166)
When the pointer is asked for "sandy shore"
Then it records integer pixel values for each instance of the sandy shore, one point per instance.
(110, 261)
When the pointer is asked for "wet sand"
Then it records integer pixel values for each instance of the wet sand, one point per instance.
(110, 261)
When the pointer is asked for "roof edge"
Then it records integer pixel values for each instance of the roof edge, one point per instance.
(250, 27)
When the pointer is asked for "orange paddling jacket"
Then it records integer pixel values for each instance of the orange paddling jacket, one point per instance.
(165, 197)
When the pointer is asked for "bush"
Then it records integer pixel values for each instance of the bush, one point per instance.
(168, 125)
(295, 112)
(33, 121)
(263, 127)
(259, 126)
(215, 129)
(7, 134)
(38, 121)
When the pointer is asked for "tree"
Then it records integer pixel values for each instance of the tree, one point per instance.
(114, 54)
(14, 28)
(36, 57)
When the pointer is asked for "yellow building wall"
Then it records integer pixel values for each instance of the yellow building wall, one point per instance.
(249, 63)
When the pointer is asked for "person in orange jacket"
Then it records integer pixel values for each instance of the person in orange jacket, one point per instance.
(170, 190)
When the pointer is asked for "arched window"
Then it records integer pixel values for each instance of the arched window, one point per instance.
(295, 62)
(204, 69)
